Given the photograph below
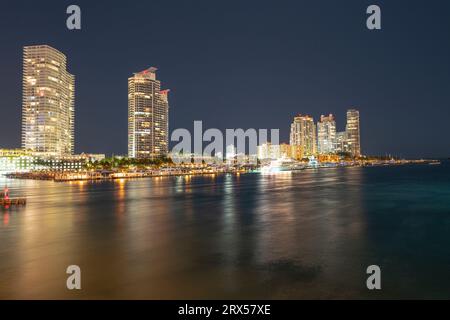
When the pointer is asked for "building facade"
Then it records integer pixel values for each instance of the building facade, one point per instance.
(341, 142)
(286, 151)
(326, 135)
(268, 151)
(18, 160)
(48, 105)
(148, 116)
(15, 160)
(303, 135)
(353, 138)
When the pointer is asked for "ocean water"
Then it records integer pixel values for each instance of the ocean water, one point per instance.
(304, 235)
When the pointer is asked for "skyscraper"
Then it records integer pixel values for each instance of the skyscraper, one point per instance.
(303, 135)
(352, 129)
(48, 102)
(148, 116)
(326, 134)
(341, 142)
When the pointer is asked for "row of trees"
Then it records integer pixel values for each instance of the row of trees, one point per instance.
(125, 163)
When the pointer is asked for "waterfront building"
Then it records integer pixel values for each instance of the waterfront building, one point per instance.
(328, 158)
(196, 158)
(303, 135)
(87, 157)
(48, 105)
(148, 116)
(242, 158)
(286, 151)
(231, 151)
(341, 142)
(268, 151)
(18, 160)
(352, 129)
(230, 155)
(15, 160)
(69, 164)
(326, 134)
(296, 152)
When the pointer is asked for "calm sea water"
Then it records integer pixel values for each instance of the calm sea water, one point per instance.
(305, 235)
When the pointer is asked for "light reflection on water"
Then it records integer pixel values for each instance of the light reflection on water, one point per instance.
(302, 235)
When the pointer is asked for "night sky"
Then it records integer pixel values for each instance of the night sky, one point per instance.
(244, 64)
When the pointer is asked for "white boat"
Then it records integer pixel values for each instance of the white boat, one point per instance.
(282, 165)
(313, 163)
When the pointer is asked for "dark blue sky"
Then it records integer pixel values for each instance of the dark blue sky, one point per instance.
(245, 64)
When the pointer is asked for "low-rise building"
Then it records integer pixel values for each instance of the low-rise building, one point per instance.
(18, 160)
(268, 151)
(15, 160)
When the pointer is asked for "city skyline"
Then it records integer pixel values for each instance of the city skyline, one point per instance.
(48, 115)
(193, 154)
(225, 83)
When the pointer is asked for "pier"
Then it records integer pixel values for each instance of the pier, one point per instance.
(122, 174)
(13, 202)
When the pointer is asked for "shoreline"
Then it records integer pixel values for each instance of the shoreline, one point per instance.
(120, 176)
(180, 172)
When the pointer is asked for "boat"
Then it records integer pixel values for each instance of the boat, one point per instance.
(282, 165)
(313, 163)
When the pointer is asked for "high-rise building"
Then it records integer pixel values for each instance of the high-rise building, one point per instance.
(303, 135)
(148, 116)
(326, 134)
(48, 105)
(341, 142)
(352, 129)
